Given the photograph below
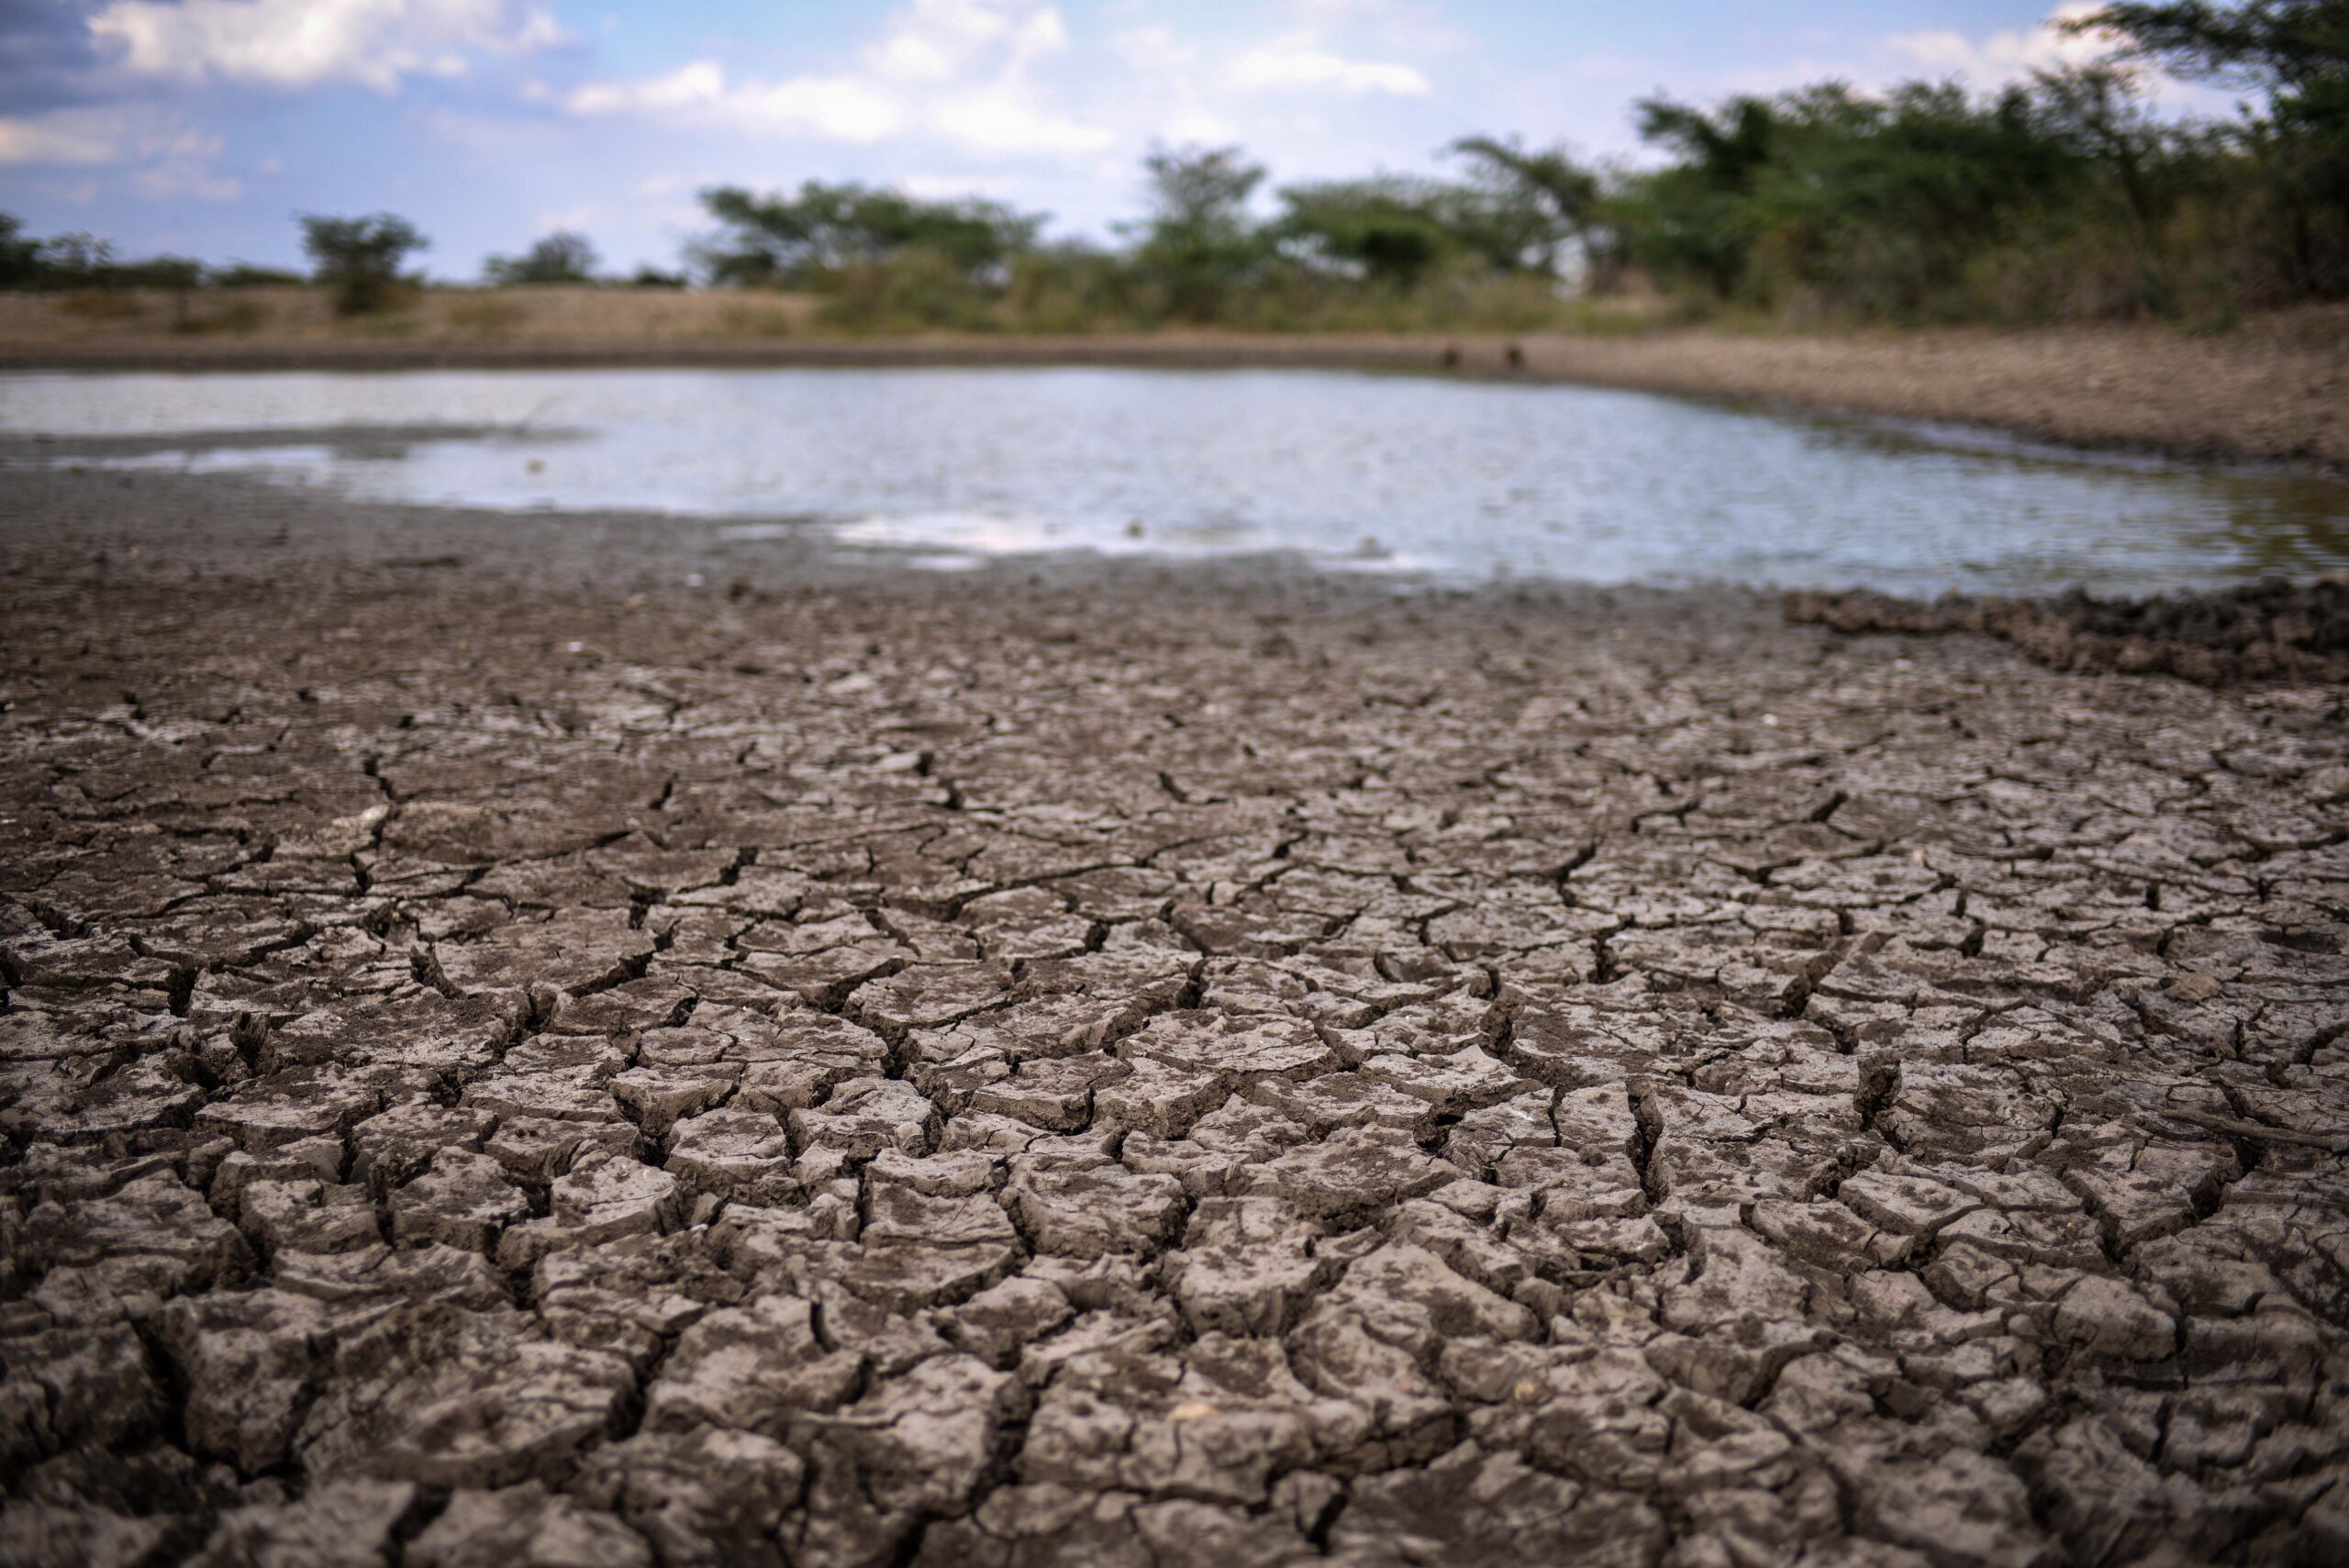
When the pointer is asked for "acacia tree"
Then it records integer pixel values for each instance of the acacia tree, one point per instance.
(823, 229)
(360, 257)
(2296, 54)
(1199, 243)
(562, 257)
(1389, 229)
(19, 253)
(1537, 204)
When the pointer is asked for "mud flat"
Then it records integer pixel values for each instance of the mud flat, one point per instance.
(513, 1056)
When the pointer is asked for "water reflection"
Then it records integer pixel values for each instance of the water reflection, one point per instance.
(1386, 473)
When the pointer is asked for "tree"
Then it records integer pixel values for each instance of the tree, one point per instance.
(247, 275)
(562, 257)
(2296, 53)
(2100, 110)
(1694, 218)
(1389, 229)
(1870, 204)
(19, 253)
(1536, 203)
(360, 257)
(1199, 243)
(77, 257)
(824, 229)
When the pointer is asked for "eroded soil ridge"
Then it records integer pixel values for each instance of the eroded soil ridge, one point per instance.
(505, 1073)
(2274, 628)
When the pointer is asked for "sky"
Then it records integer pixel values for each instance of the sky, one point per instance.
(201, 127)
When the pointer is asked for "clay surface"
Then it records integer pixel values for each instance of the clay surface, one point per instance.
(528, 1044)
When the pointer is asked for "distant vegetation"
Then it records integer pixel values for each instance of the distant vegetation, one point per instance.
(562, 256)
(360, 257)
(2061, 198)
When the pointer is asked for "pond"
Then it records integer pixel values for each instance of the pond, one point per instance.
(1461, 481)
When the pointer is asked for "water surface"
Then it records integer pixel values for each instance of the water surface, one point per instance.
(1463, 481)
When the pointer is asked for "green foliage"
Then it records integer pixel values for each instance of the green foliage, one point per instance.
(1875, 204)
(85, 264)
(1389, 229)
(2060, 197)
(246, 275)
(1072, 288)
(562, 257)
(2294, 53)
(360, 257)
(912, 290)
(1531, 207)
(1199, 249)
(75, 260)
(19, 253)
(824, 231)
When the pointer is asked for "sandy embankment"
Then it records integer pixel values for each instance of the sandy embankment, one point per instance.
(1127, 1065)
(2276, 388)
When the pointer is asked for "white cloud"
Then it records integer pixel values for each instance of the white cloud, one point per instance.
(298, 43)
(173, 182)
(1152, 49)
(1006, 122)
(1199, 126)
(843, 108)
(2004, 56)
(1408, 27)
(164, 161)
(65, 137)
(692, 86)
(180, 167)
(955, 70)
(1297, 62)
(835, 108)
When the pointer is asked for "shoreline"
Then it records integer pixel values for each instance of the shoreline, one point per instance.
(2275, 391)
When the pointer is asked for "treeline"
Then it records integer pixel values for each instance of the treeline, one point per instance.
(2062, 197)
(362, 260)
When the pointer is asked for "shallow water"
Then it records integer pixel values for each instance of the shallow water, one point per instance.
(1465, 480)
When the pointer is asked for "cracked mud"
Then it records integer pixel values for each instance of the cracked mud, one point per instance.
(528, 1065)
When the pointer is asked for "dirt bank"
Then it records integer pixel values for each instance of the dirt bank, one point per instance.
(535, 1040)
(2276, 388)
(2260, 631)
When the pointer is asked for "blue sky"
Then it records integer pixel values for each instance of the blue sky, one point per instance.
(201, 127)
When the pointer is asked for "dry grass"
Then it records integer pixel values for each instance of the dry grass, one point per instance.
(550, 315)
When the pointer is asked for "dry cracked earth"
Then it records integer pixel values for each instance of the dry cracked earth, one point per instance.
(510, 1059)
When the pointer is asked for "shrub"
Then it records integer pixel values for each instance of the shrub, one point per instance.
(360, 257)
(562, 256)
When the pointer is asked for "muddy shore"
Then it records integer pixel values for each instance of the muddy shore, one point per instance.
(2274, 389)
(568, 1041)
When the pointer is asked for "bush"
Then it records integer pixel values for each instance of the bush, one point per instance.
(562, 256)
(913, 289)
(360, 257)
(245, 275)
